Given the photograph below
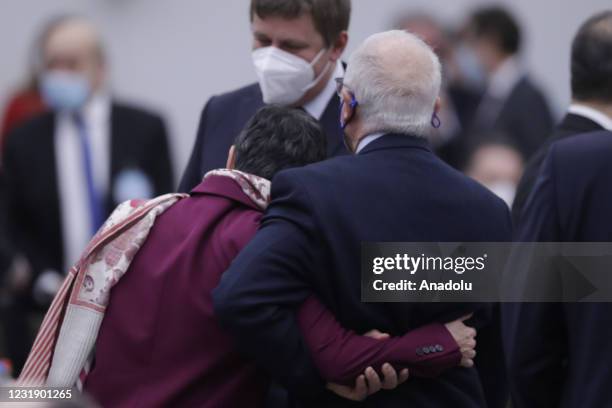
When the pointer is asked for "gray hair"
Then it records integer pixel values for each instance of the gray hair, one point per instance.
(396, 79)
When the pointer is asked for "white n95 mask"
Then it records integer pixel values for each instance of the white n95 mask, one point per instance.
(283, 77)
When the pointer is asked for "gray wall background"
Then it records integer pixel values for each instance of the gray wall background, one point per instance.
(173, 55)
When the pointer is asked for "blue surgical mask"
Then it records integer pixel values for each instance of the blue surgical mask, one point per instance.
(470, 67)
(65, 90)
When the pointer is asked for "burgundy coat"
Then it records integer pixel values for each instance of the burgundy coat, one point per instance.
(160, 344)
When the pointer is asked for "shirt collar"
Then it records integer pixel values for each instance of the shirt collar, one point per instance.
(96, 109)
(317, 106)
(596, 116)
(367, 140)
(505, 78)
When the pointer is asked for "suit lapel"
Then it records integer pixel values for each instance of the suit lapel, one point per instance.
(573, 124)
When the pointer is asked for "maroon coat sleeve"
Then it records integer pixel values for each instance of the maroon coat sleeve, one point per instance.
(341, 354)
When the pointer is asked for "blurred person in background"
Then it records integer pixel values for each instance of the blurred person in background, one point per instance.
(591, 106)
(560, 354)
(459, 96)
(297, 45)
(66, 169)
(511, 103)
(24, 104)
(27, 101)
(498, 166)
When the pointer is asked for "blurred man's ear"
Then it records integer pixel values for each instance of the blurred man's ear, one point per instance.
(231, 158)
(437, 105)
(339, 45)
(347, 110)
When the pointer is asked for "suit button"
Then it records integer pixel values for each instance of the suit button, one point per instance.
(426, 350)
(419, 351)
(439, 347)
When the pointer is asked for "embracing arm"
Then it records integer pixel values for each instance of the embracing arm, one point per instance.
(341, 354)
(257, 296)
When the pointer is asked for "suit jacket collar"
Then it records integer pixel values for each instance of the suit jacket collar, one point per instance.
(574, 124)
(396, 140)
(223, 187)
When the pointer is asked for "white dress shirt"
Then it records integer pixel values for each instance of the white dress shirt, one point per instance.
(317, 106)
(596, 116)
(72, 183)
(367, 140)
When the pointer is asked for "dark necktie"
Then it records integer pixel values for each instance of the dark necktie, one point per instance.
(93, 197)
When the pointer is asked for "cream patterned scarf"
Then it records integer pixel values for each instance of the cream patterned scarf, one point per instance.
(65, 342)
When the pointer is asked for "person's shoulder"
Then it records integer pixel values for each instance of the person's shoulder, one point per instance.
(251, 91)
(528, 88)
(27, 134)
(331, 168)
(135, 113)
(584, 149)
(585, 142)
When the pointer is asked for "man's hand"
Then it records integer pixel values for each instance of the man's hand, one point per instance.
(465, 338)
(369, 383)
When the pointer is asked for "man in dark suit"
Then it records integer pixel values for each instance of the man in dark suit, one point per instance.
(559, 353)
(589, 111)
(65, 170)
(512, 103)
(297, 47)
(393, 189)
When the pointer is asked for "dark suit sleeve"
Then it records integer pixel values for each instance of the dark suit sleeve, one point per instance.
(13, 202)
(161, 167)
(191, 176)
(341, 354)
(541, 122)
(5, 251)
(258, 295)
(534, 333)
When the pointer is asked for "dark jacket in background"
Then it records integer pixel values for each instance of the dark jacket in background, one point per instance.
(138, 140)
(311, 238)
(524, 117)
(571, 125)
(464, 102)
(559, 353)
(5, 251)
(224, 117)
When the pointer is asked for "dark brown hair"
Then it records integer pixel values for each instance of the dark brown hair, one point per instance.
(591, 62)
(330, 17)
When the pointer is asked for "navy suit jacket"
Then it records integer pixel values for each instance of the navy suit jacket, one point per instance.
(224, 117)
(524, 117)
(571, 125)
(396, 189)
(559, 354)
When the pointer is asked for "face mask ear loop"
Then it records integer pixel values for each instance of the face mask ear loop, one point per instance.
(435, 121)
(353, 104)
(323, 72)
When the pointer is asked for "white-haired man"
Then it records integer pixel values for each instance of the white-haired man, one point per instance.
(393, 189)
